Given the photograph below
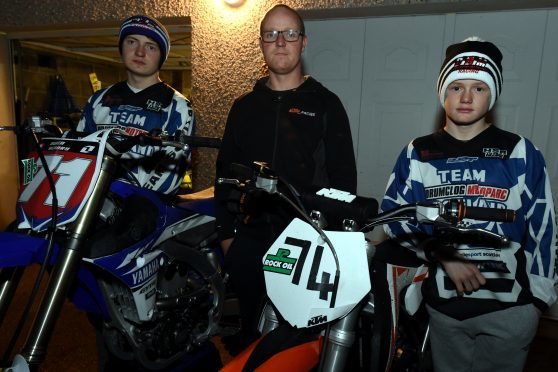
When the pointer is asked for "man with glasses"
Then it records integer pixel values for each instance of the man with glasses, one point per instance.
(301, 130)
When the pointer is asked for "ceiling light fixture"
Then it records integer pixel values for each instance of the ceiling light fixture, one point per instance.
(234, 3)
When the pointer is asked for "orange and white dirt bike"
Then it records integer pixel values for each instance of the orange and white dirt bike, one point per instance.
(334, 297)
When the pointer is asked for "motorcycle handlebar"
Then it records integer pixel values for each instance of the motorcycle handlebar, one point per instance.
(364, 210)
(199, 141)
(35, 125)
(12, 128)
(179, 141)
(487, 214)
(122, 143)
(456, 209)
(360, 209)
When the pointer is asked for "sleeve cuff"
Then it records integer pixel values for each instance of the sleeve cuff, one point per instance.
(540, 304)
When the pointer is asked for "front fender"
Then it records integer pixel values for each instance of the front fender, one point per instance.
(21, 250)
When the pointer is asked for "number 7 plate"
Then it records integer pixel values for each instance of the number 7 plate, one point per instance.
(74, 166)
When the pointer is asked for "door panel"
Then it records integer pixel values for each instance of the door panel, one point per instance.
(521, 49)
(399, 102)
(545, 126)
(334, 57)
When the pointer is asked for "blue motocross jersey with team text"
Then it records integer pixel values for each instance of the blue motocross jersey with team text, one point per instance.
(158, 107)
(496, 169)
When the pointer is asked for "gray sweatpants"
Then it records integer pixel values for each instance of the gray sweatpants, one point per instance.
(494, 342)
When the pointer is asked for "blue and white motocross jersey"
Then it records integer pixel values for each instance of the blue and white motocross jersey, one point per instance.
(496, 169)
(156, 107)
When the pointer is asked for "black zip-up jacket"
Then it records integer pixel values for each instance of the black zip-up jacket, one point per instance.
(304, 134)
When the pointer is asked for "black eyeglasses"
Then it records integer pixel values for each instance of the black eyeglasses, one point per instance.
(288, 35)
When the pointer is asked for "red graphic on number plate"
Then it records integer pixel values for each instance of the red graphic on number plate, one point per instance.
(72, 165)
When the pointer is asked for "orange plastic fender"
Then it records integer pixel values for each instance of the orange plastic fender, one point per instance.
(301, 357)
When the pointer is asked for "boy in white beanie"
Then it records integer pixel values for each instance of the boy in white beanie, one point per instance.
(484, 302)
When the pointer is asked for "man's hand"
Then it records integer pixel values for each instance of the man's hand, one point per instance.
(465, 275)
(226, 244)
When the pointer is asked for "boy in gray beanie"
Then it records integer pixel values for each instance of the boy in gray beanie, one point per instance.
(149, 27)
(143, 104)
(484, 302)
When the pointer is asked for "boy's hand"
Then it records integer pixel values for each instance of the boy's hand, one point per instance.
(465, 275)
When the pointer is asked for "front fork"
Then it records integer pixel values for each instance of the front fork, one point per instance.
(340, 340)
(65, 270)
(9, 279)
(342, 333)
(268, 320)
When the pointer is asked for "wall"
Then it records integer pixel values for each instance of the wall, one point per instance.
(226, 61)
(8, 149)
(58, 13)
(225, 57)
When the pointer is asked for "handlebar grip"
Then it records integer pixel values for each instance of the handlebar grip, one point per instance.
(198, 141)
(487, 214)
(143, 140)
(12, 128)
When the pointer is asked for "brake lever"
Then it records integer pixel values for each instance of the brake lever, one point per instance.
(476, 233)
(230, 181)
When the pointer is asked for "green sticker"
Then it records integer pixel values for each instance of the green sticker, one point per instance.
(29, 170)
(280, 262)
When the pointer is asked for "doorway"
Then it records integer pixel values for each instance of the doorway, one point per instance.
(80, 61)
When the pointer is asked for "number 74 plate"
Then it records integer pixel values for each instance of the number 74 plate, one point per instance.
(300, 274)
